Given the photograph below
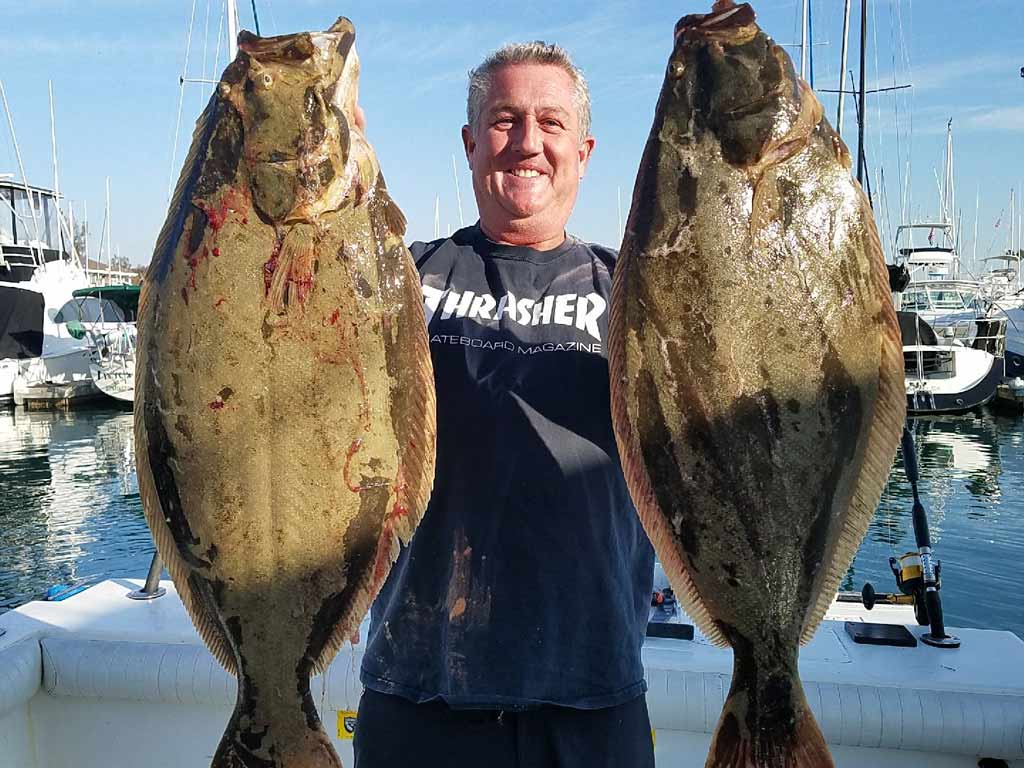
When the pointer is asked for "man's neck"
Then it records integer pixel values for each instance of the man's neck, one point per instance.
(539, 241)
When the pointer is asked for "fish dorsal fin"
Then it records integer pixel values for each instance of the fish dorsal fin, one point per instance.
(394, 219)
(633, 466)
(180, 205)
(179, 211)
(878, 447)
(196, 605)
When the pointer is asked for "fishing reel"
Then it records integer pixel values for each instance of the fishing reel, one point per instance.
(909, 573)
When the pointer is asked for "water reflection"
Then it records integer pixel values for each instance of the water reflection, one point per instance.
(70, 511)
(970, 478)
(69, 504)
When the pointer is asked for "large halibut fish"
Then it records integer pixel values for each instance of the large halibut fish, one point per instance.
(284, 409)
(757, 372)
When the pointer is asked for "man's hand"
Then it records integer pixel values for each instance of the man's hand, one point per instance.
(360, 119)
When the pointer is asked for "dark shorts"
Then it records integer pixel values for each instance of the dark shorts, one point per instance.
(392, 732)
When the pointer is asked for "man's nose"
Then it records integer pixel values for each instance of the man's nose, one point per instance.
(529, 139)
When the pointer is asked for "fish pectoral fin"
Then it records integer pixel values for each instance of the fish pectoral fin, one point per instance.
(292, 280)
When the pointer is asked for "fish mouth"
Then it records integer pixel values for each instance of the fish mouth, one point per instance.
(727, 23)
(299, 46)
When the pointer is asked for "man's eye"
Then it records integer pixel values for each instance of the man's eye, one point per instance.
(503, 122)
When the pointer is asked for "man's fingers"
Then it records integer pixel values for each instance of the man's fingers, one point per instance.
(360, 119)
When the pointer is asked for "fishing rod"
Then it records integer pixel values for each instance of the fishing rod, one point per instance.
(918, 574)
(929, 587)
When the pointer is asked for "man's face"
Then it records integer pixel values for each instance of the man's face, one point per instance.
(526, 154)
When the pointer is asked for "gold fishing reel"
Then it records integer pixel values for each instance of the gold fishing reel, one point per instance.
(909, 572)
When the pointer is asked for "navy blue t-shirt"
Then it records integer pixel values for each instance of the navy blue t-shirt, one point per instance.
(528, 581)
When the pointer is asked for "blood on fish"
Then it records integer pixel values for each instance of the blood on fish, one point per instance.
(217, 215)
(270, 267)
(333, 319)
(353, 449)
(216, 251)
(219, 301)
(217, 404)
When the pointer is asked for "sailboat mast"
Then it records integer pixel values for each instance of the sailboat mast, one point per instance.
(108, 225)
(458, 193)
(232, 30)
(56, 175)
(862, 116)
(977, 206)
(803, 40)
(842, 68)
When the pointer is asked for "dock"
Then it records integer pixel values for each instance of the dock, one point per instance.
(1010, 394)
(46, 396)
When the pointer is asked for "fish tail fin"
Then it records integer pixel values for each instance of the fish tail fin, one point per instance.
(292, 279)
(767, 723)
(296, 742)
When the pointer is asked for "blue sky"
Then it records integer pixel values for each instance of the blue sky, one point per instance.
(115, 66)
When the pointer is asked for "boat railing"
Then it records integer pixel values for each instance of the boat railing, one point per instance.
(984, 333)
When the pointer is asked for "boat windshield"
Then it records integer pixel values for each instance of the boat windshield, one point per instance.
(90, 310)
(26, 220)
(939, 299)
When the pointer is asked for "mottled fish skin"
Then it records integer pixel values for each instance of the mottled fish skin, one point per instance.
(284, 411)
(757, 374)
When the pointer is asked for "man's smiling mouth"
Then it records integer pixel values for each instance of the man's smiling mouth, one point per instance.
(524, 173)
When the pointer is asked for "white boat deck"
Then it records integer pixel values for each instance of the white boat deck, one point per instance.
(99, 680)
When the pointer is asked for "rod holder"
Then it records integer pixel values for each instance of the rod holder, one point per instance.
(151, 589)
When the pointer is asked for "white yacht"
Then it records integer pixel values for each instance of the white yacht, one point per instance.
(38, 275)
(953, 351)
(1006, 295)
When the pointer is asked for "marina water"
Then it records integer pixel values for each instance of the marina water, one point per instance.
(70, 512)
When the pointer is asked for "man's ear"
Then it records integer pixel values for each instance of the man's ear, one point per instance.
(585, 151)
(468, 143)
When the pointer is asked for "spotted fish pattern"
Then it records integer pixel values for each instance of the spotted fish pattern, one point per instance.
(284, 410)
(757, 373)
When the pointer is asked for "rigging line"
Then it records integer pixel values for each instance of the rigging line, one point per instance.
(255, 18)
(877, 100)
(206, 38)
(220, 37)
(910, 106)
(181, 99)
(273, 19)
(896, 108)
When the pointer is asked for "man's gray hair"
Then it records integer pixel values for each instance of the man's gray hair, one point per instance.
(537, 52)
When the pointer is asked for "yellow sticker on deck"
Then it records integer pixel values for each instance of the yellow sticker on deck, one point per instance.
(654, 738)
(346, 724)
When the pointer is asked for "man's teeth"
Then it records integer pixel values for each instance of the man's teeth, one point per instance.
(524, 173)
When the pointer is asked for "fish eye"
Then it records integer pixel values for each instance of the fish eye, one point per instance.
(267, 80)
(675, 69)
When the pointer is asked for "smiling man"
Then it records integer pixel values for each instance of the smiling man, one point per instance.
(509, 631)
